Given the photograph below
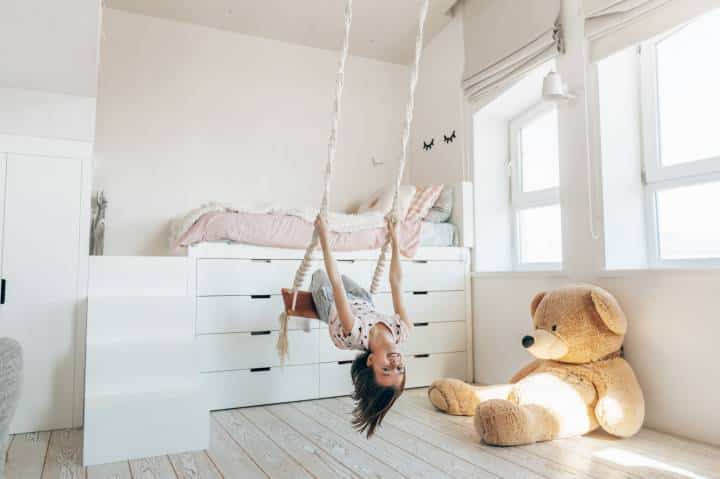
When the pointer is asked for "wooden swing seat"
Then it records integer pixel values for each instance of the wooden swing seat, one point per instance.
(304, 305)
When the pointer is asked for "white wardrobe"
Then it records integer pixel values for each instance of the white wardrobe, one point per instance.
(44, 224)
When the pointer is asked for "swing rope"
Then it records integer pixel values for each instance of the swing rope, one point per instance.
(303, 269)
(301, 274)
(395, 210)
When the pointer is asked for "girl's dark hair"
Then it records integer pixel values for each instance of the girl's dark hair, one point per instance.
(372, 401)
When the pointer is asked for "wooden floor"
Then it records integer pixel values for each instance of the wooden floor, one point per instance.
(314, 440)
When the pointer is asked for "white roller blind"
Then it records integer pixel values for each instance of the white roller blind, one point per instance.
(505, 39)
(612, 25)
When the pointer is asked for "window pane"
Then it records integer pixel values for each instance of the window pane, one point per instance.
(540, 235)
(688, 92)
(688, 223)
(539, 153)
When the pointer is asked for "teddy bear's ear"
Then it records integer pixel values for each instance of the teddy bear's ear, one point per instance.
(536, 302)
(609, 310)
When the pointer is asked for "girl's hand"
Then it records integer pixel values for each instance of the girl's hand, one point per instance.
(321, 226)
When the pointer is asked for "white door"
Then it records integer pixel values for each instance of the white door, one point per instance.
(40, 252)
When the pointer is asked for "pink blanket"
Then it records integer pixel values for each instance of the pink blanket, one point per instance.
(284, 231)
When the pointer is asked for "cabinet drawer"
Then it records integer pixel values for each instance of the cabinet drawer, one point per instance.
(436, 338)
(234, 314)
(425, 338)
(422, 370)
(427, 306)
(222, 352)
(417, 275)
(328, 352)
(217, 277)
(433, 276)
(335, 379)
(231, 389)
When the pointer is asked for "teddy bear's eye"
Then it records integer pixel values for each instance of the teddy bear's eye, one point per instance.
(554, 327)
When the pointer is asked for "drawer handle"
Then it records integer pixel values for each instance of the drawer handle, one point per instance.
(259, 333)
(3, 285)
(420, 261)
(261, 260)
(346, 261)
(420, 325)
(260, 296)
(347, 361)
(260, 370)
(421, 356)
(418, 293)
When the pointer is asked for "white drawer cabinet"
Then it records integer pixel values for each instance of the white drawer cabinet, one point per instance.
(238, 304)
(427, 306)
(217, 277)
(436, 338)
(250, 387)
(327, 352)
(423, 369)
(236, 314)
(433, 276)
(335, 379)
(222, 352)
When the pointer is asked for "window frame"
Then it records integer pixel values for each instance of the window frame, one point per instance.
(655, 176)
(521, 200)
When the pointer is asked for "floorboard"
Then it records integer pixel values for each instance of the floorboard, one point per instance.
(269, 457)
(115, 470)
(193, 465)
(231, 460)
(382, 450)
(26, 455)
(342, 450)
(315, 439)
(418, 447)
(64, 456)
(315, 460)
(158, 467)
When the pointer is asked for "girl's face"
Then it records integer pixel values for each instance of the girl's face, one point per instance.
(388, 367)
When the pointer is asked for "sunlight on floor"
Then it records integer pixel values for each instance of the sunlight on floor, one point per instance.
(632, 459)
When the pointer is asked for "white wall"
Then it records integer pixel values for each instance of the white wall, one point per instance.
(439, 110)
(48, 72)
(48, 115)
(188, 114)
(50, 46)
(672, 314)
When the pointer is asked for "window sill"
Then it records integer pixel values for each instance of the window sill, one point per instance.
(518, 274)
(684, 270)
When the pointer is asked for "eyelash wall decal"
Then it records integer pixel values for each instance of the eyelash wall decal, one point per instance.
(429, 146)
(451, 138)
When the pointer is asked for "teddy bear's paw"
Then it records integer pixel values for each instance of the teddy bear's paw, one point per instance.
(453, 396)
(504, 423)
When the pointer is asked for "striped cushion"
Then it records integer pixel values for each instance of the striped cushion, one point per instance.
(424, 199)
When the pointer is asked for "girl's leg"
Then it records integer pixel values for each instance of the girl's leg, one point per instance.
(355, 290)
(322, 294)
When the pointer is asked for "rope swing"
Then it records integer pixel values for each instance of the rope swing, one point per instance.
(299, 303)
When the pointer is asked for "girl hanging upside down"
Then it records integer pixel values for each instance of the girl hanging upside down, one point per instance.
(378, 373)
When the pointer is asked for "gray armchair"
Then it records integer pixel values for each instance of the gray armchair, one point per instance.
(11, 367)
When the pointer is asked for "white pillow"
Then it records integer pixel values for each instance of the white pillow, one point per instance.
(381, 202)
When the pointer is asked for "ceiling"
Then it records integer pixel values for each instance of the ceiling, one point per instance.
(49, 45)
(382, 29)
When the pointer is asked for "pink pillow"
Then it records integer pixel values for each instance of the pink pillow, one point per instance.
(424, 199)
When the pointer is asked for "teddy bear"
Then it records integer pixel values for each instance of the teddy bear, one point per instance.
(578, 382)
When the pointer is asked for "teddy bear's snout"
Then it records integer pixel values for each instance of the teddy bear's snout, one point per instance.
(545, 345)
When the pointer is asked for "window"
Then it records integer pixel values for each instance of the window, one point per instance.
(535, 197)
(680, 101)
